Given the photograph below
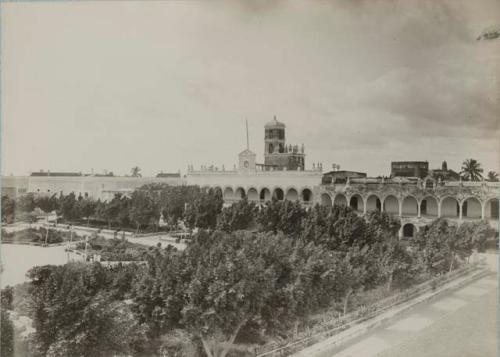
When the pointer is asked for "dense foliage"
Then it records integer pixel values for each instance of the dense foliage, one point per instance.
(248, 275)
(142, 211)
(76, 312)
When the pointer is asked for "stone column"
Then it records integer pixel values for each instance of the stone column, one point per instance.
(419, 209)
(460, 205)
(439, 203)
(483, 209)
(365, 203)
(400, 205)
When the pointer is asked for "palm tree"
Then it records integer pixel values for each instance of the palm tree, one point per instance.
(136, 171)
(471, 170)
(492, 176)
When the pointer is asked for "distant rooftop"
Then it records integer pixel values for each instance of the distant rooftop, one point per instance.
(49, 173)
(169, 174)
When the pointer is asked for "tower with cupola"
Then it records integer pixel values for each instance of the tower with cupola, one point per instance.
(277, 154)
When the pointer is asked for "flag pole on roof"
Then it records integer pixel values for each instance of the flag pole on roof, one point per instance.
(248, 142)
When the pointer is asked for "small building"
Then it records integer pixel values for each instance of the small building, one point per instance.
(409, 169)
(42, 173)
(169, 174)
(444, 174)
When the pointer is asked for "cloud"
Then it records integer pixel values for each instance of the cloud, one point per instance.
(166, 84)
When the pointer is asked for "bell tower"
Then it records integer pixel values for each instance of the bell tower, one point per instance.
(277, 155)
(274, 139)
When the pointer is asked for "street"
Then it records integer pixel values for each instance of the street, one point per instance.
(462, 322)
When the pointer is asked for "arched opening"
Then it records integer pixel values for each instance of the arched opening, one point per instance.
(306, 195)
(429, 207)
(340, 200)
(391, 205)
(450, 208)
(373, 204)
(410, 206)
(252, 194)
(409, 231)
(491, 209)
(240, 193)
(278, 194)
(228, 193)
(218, 191)
(326, 200)
(356, 203)
(471, 208)
(265, 194)
(292, 194)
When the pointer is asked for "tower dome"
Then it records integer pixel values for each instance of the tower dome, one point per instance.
(274, 124)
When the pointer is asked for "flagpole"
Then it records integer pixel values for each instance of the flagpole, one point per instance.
(248, 142)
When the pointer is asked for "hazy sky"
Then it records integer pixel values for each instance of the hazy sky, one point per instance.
(110, 85)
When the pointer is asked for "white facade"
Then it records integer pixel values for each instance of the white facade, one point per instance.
(97, 187)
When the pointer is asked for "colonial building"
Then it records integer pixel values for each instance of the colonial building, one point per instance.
(416, 202)
(412, 193)
(94, 186)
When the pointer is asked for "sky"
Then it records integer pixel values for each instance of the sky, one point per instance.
(165, 84)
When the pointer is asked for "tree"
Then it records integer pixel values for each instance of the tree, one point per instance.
(8, 209)
(397, 265)
(471, 170)
(350, 273)
(87, 208)
(172, 200)
(492, 176)
(135, 171)
(143, 209)
(382, 227)
(6, 334)
(109, 211)
(47, 203)
(104, 329)
(443, 245)
(25, 203)
(281, 216)
(202, 212)
(73, 316)
(238, 216)
(228, 288)
(68, 208)
(337, 228)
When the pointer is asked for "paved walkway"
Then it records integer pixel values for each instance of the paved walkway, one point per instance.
(459, 324)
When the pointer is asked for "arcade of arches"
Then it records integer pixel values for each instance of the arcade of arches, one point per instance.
(229, 194)
(408, 206)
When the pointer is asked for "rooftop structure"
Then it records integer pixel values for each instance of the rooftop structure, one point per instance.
(409, 169)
